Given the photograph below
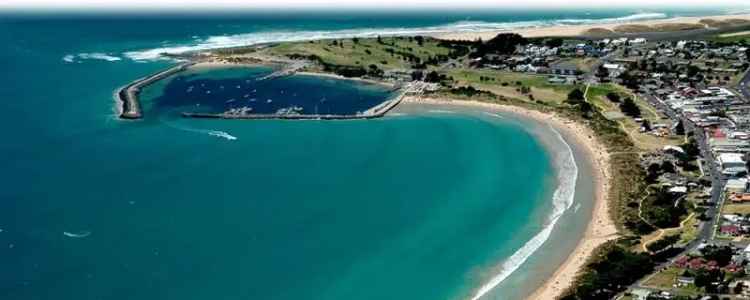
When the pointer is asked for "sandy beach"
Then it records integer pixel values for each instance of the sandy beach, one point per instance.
(576, 30)
(600, 228)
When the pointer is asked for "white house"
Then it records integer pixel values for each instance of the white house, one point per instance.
(732, 163)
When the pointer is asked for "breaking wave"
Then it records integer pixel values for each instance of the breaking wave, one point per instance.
(70, 58)
(562, 200)
(77, 235)
(246, 39)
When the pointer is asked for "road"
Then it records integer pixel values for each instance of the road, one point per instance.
(744, 85)
(707, 228)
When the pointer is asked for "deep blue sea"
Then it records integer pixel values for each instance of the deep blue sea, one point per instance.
(427, 204)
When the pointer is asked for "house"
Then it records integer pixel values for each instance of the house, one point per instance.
(557, 80)
(732, 163)
(564, 69)
(677, 150)
(732, 230)
(736, 186)
(614, 69)
(739, 197)
(678, 189)
(684, 280)
(640, 294)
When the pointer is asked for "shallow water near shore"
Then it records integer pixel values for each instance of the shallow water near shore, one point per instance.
(426, 204)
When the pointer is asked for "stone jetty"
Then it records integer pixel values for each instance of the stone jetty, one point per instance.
(128, 95)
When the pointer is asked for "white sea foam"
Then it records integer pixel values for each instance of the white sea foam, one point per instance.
(562, 200)
(94, 56)
(494, 115)
(77, 235)
(236, 40)
(440, 111)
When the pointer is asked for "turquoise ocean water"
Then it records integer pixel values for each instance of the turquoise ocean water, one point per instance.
(421, 205)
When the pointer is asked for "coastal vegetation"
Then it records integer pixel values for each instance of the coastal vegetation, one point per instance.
(615, 114)
(370, 56)
(609, 271)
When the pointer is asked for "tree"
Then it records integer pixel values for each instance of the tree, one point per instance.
(652, 173)
(646, 125)
(417, 75)
(629, 108)
(602, 72)
(504, 43)
(679, 129)
(614, 97)
(419, 39)
(553, 42)
(692, 71)
(355, 40)
(667, 167)
(575, 96)
(585, 108)
(721, 254)
(432, 77)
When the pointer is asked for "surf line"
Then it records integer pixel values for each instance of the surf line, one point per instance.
(77, 235)
(562, 200)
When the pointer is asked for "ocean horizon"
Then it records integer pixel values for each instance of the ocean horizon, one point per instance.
(427, 203)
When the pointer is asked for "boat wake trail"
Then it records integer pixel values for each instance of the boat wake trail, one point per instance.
(215, 133)
(220, 134)
(562, 200)
(77, 235)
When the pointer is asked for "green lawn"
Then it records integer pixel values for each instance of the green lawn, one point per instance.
(364, 52)
(508, 84)
(742, 209)
(732, 37)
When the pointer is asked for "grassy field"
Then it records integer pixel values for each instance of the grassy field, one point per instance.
(362, 52)
(741, 209)
(508, 84)
(667, 278)
(732, 37)
(689, 230)
(664, 279)
(597, 96)
(639, 28)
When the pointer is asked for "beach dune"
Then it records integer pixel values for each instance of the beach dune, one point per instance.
(660, 25)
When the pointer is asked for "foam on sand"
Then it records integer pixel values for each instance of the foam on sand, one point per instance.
(77, 235)
(562, 200)
(247, 39)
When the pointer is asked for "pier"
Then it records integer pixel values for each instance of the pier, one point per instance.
(290, 69)
(128, 95)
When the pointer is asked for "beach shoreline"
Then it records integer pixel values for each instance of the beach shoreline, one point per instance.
(601, 227)
(580, 30)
